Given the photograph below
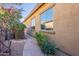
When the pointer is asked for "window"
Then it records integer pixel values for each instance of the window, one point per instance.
(33, 24)
(47, 19)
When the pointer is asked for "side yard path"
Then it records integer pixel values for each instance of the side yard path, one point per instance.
(31, 47)
(25, 47)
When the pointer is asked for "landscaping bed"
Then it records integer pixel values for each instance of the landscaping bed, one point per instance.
(46, 47)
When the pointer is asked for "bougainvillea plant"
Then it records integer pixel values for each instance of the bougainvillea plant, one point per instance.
(10, 19)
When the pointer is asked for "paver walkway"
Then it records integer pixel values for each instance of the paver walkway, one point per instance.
(31, 47)
(25, 47)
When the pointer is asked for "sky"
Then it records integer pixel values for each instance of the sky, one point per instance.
(26, 7)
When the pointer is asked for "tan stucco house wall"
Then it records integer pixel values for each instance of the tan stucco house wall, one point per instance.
(65, 26)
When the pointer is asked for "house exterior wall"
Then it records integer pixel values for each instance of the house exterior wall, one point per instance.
(37, 23)
(37, 14)
(66, 26)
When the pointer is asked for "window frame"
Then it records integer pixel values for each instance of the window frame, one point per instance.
(44, 30)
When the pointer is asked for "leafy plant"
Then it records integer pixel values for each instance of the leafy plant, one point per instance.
(10, 19)
(45, 45)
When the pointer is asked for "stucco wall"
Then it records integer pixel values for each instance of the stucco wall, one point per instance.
(66, 26)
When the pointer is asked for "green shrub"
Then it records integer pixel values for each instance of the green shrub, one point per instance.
(45, 45)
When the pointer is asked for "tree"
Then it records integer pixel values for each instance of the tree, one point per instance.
(10, 19)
